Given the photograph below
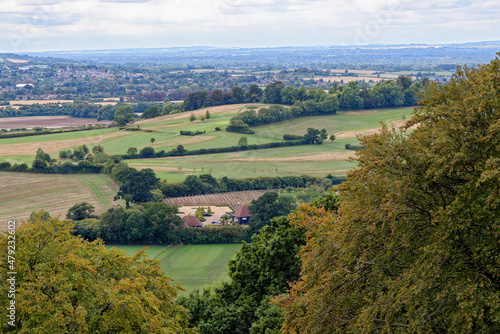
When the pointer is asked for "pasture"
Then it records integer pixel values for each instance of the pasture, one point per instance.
(331, 157)
(193, 266)
(23, 193)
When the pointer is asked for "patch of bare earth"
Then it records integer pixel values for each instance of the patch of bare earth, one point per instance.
(360, 112)
(54, 146)
(354, 133)
(17, 61)
(46, 121)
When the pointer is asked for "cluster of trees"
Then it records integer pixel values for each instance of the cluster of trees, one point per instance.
(207, 184)
(415, 246)
(66, 284)
(262, 270)
(147, 223)
(191, 133)
(312, 100)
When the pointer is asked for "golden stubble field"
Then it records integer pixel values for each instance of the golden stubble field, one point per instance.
(23, 193)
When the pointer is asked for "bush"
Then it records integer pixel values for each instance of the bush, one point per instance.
(147, 152)
(292, 137)
(239, 126)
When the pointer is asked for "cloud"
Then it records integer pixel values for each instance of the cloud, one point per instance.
(89, 24)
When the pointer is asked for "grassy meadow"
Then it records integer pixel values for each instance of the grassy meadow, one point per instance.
(193, 266)
(331, 157)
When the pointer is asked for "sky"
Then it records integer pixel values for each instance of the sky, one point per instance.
(60, 25)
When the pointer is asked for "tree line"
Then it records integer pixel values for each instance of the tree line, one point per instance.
(385, 94)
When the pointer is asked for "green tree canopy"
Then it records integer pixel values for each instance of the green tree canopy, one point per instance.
(415, 246)
(124, 115)
(65, 284)
(80, 211)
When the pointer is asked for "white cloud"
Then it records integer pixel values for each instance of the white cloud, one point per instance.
(88, 24)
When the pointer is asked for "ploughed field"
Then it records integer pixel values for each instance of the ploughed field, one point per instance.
(233, 199)
(23, 193)
(46, 122)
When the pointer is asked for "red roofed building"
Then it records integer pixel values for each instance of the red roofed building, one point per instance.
(241, 216)
(191, 221)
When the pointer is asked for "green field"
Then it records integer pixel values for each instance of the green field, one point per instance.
(22, 193)
(328, 158)
(320, 160)
(194, 266)
(166, 132)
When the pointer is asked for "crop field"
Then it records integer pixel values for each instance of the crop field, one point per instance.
(232, 199)
(328, 158)
(47, 121)
(193, 266)
(23, 193)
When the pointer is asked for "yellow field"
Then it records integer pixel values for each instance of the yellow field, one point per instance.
(30, 102)
(17, 61)
(23, 193)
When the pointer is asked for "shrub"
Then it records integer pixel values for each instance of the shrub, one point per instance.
(292, 137)
(147, 152)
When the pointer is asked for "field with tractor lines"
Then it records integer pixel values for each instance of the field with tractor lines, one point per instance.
(23, 193)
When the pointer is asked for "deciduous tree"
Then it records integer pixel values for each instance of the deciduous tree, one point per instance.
(415, 246)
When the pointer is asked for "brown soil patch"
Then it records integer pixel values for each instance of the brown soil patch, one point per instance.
(361, 112)
(354, 133)
(54, 146)
(46, 121)
(106, 103)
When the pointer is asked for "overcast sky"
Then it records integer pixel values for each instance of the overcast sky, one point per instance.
(52, 25)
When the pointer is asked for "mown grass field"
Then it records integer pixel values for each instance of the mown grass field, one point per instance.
(329, 158)
(193, 266)
(23, 193)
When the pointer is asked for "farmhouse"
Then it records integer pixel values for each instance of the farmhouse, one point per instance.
(191, 221)
(241, 216)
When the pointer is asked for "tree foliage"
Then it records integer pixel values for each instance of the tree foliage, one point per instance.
(261, 270)
(415, 246)
(67, 285)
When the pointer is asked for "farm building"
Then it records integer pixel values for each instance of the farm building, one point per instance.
(241, 216)
(191, 221)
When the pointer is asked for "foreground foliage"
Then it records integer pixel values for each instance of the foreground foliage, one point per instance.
(261, 270)
(415, 247)
(67, 285)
